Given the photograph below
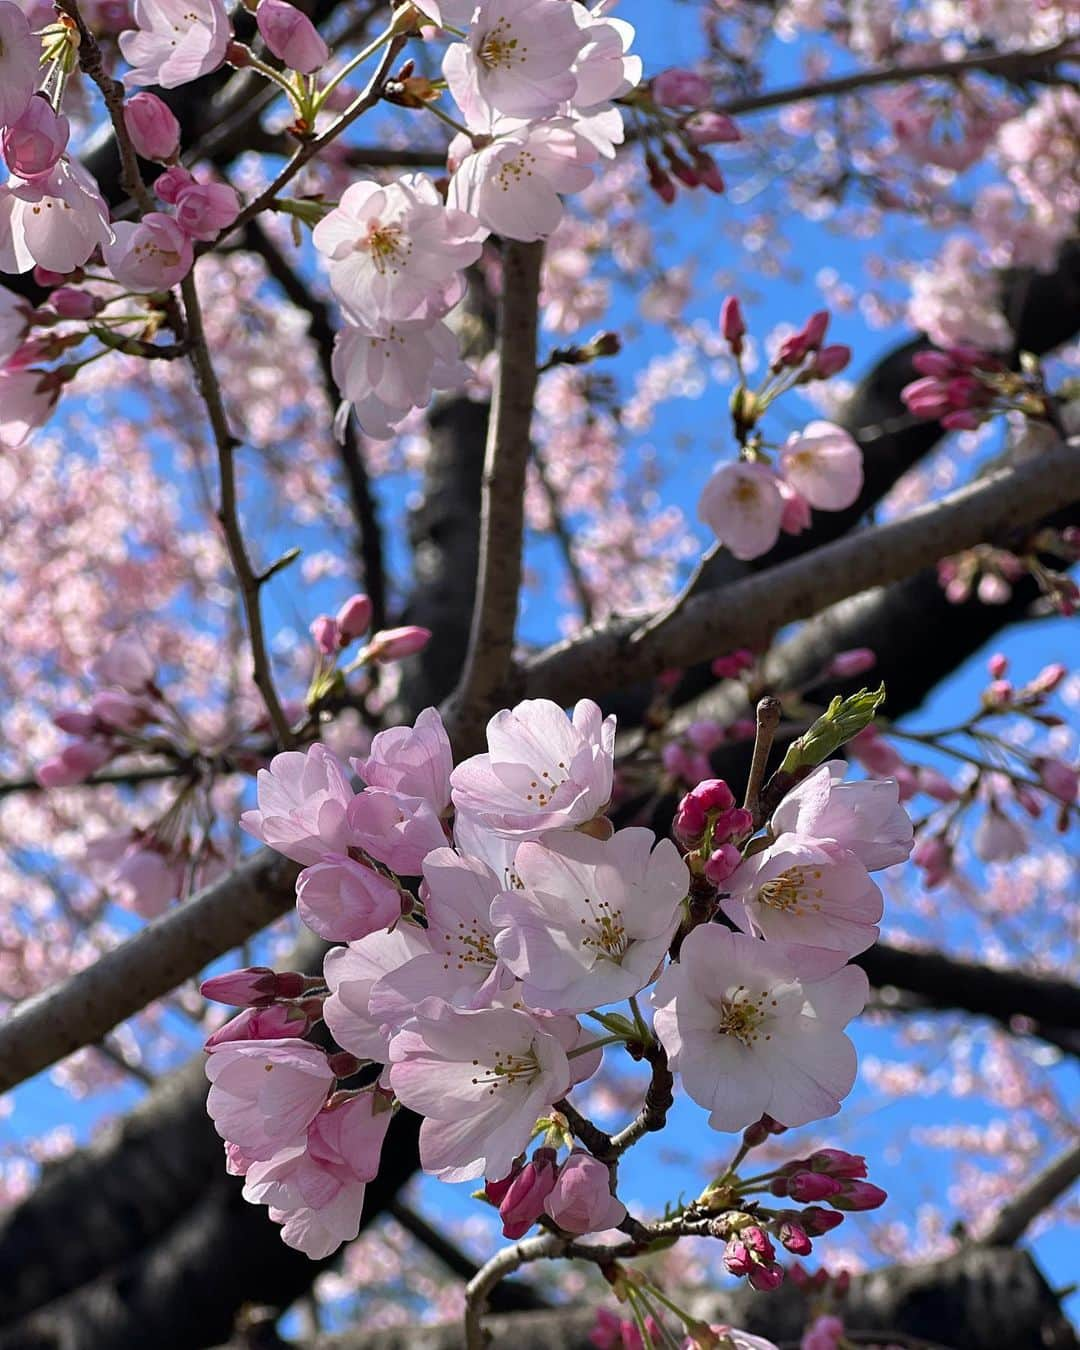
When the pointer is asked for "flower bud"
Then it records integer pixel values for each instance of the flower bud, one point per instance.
(70, 303)
(393, 644)
(523, 1201)
(730, 666)
(733, 824)
(154, 131)
(246, 986)
(832, 360)
(817, 1221)
(712, 128)
(732, 324)
(1059, 779)
(837, 1162)
(74, 764)
(680, 89)
(119, 710)
(793, 1237)
(766, 1278)
(354, 618)
(33, 144)
(204, 209)
(261, 1024)
(496, 1190)
(722, 863)
(291, 36)
(858, 1195)
(169, 185)
(75, 723)
(804, 1187)
(325, 631)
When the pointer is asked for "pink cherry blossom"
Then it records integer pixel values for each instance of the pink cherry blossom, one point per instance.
(264, 1094)
(315, 1189)
(678, 88)
(480, 1078)
(742, 505)
(542, 770)
(513, 185)
(275, 1023)
(291, 36)
(823, 463)
(522, 1202)
(603, 68)
(394, 644)
(27, 399)
(865, 818)
(147, 879)
(396, 252)
(154, 131)
(175, 41)
(152, 254)
(247, 985)
(126, 663)
(757, 1027)
(581, 1200)
(518, 60)
(593, 919)
(385, 375)
(20, 51)
(304, 798)
(55, 221)
(204, 209)
(352, 973)
(35, 141)
(354, 619)
(798, 890)
(395, 829)
(341, 899)
(416, 761)
(998, 837)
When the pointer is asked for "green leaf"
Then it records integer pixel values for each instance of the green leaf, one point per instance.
(841, 720)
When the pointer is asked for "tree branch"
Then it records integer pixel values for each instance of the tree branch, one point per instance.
(748, 612)
(491, 641)
(1039, 1194)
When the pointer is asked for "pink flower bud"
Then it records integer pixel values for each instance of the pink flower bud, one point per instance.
(796, 515)
(261, 1024)
(713, 794)
(172, 182)
(324, 630)
(1048, 678)
(33, 144)
(154, 131)
(818, 1221)
(961, 421)
(659, 179)
(859, 1195)
(733, 824)
(759, 1242)
(793, 1237)
(690, 821)
(832, 360)
(925, 398)
(523, 1201)
(708, 172)
(393, 644)
(291, 36)
(712, 128)
(74, 764)
(354, 618)
(117, 709)
(722, 863)
(241, 988)
(934, 363)
(737, 1257)
(45, 278)
(998, 665)
(846, 665)
(75, 723)
(70, 303)
(1059, 779)
(496, 1190)
(936, 785)
(581, 1200)
(837, 1162)
(934, 857)
(874, 753)
(805, 1187)
(680, 89)
(206, 208)
(732, 324)
(766, 1278)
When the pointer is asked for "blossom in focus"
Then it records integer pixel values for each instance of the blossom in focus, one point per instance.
(823, 463)
(303, 799)
(592, 919)
(204, 209)
(756, 1028)
(55, 221)
(542, 770)
(742, 505)
(396, 252)
(480, 1078)
(154, 130)
(414, 760)
(395, 829)
(522, 1202)
(581, 1200)
(33, 144)
(19, 54)
(865, 818)
(517, 60)
(798, 890)
(352, 973)
(315, 1189)
(152, 254)
(291, 36)
(342, 900)
(264, 1094)
(175, 41)
(603, 68)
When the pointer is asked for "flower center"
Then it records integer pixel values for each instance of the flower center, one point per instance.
(388, 246)
(793, 891)
(471, 945)
(499, 49)
(515, 170)
(607, 936)
(741, 1015)
(544, 787)
(507, 1070)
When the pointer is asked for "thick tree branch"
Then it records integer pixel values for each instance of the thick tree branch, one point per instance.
(748, 612)
(498, 585)
(1039, 1194)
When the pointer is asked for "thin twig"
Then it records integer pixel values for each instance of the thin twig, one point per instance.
(229, 512)
(1039, 1194)
(659, 1099)
(596, 1140)
(491, 640)
(768, 713)
(677, 605)
(565, 538)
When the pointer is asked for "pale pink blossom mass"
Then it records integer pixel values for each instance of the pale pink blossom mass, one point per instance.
(175, 41)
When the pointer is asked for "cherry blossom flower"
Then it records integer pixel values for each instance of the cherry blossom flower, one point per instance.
(341, 899)
(742, 505)
(20, 51)
(998, 837)
(204, 209)
(518, 60)
(304, 799)
(384, 376)
(480, 1078)
(823, 463)
(291, 36)
(33, 143)
(756, 1028)
(542, 770)
(798, 890)
(513, 184)
(594, 919)
(175, 41)
(581, 1200)
(55, 221)
(865, 818)
(395, 829)
(264, 1094)
(603, 68)
(315, 1189)
(147, 879)
(261, 1024)
(154, 130)
(351, 974)
(396, 252)
(152, 254)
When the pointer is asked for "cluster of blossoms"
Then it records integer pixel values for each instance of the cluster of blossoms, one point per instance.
(528, 912)
(962, 386)
(747, 504)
